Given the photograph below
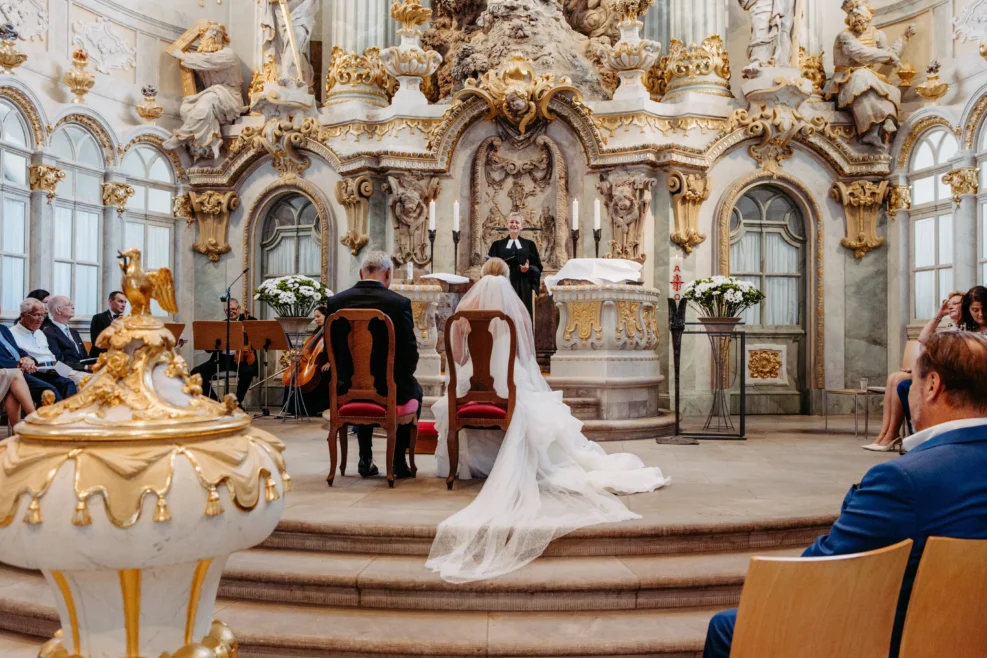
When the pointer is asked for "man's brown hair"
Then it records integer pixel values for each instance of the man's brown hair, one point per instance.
(960, 360)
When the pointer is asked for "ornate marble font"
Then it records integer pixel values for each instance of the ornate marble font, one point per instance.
(409, 196)
(627, 200)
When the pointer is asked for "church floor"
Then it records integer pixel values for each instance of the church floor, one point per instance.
(343, 575)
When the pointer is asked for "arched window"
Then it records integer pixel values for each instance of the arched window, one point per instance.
(77, 236)
(932, 222)
(291, 239)
(15, 202)
(149, 223)
(767, 248)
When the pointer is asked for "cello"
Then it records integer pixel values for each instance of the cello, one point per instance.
(310, 365)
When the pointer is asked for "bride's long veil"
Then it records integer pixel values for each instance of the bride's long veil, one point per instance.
(548, 479)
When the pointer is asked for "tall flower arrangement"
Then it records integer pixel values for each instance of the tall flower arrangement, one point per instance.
(292, 296)
(722, 296)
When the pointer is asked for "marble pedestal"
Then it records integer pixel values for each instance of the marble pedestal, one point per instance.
(424, 303)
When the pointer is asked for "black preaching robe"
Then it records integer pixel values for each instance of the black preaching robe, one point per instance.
(524, 283)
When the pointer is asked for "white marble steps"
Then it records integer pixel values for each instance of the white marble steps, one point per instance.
(548, 584)
(622, 539)
(271, 630)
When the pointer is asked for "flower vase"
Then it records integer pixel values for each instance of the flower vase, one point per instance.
(719, 331)
(296, 329)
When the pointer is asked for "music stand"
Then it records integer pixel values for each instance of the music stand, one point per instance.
(176, 329)
(266, 335)
(210, 336)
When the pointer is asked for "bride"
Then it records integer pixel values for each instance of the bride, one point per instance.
(544, 478)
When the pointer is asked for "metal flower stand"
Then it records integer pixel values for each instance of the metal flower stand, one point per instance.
(296, 328)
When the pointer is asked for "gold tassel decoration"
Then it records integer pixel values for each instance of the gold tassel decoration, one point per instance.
(286, 482)
(81, 516)
(161, 513)
(33, 516)
(213, 506)
(271, 492)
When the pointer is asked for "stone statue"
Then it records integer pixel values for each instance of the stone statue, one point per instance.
(594, 18)
(774, 30)
(220, 103)
(859, 87)
(408, 201)
(628, 202)
(286, 27)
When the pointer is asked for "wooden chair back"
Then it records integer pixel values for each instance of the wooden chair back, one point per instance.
(946, 611)
(912, 351)
(360, 341)
(479, 342)
(820, 607)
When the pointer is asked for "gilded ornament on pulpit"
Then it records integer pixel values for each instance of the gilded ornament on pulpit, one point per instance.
(354, 195)
(363, 78)
(703, 68)
(408, 200)
(212, 210)
(689, 191)
(45, 178)
(627, 200)
(862, 201)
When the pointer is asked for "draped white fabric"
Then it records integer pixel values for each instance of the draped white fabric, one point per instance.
(545, 478)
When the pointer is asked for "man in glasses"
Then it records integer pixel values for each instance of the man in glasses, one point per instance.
(31, 340)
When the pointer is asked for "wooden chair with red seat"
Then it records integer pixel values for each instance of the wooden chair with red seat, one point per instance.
(481, 407)
(361, 404)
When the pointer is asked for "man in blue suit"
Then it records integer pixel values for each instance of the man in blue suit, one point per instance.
(936, 490)
(12, 356)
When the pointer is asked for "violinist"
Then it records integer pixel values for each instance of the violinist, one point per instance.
(243, 363)
(313, 370)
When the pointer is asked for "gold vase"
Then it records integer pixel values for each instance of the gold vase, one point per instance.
(150, 110)
(79, 79)
(933, 88)
(10, 56)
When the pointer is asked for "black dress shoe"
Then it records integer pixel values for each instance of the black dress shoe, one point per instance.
(367, 468)
(401, 471)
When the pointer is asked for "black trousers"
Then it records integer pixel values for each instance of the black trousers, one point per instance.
(244, 377)
(49, 380)
(364, 434)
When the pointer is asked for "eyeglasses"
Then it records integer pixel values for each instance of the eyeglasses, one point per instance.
(39, 316)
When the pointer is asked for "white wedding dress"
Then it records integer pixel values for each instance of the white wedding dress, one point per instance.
(544, 478)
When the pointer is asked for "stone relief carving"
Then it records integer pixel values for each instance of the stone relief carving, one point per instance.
(775, 27)
(354, 195)
(899, 199)
(627, 199)
(862, 201)
(529, 178)
(212, 209)
(29, 17)
(971, 24)
(963, 182)
(689, 191)
(767, 364)
(116, 194)
(105, 47)
(409, 197)
(593, 18)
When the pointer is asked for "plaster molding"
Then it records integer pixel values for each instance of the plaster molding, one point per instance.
(105, 47)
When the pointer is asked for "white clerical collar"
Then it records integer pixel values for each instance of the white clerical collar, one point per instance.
(919, 438)
(516, 243)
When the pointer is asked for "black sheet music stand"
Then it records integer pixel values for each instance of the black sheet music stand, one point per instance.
(266, 335)
(210, 336)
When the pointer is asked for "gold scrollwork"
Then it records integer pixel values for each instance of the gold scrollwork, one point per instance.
(584, 318)
(116, 194)
(628, 319)
(704, 68)
(899, 198)
(419, 311)
(764, 364)
(45, 178)
(354, 195)
(963, 182)
(353, 76)
(212, 210)
(689, 191)
(610, 124)
(862, 201)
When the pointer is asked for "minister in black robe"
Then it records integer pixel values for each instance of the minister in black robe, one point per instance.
(521, 255)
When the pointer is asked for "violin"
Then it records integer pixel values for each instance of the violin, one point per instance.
(310, 365)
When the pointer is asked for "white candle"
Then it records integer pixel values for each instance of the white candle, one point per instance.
(455, 215)
(411, 271)
(596, 215)
(431, 215)
(575, 214)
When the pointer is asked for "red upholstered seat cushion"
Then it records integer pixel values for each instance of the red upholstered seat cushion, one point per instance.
(481, 411)
(426, 430)
(374, 410)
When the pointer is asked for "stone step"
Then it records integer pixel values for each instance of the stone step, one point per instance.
(548, 584)
(584, 408)
(272, 630)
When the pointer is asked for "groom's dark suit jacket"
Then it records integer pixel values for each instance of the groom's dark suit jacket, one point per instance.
(373, 295)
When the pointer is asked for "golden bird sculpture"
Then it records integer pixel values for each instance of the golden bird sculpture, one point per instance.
(141, 287)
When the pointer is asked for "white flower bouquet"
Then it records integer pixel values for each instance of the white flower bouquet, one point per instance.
(722, 296)
(292, 296)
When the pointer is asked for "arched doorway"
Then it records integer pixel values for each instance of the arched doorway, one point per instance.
(769, 246)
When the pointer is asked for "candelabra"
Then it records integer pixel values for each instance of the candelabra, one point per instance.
(575, 242)
(455, 252)
(431, 250)
(597, 236)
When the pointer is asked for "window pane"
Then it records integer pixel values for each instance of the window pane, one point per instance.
(60, 145)
(924, 157)
(925, 295)
(945, 192)
(133, 165)
(15, 168)
(945, 282)
(62, 279)
(947, 151)
(753, 314)
(945, 240)
(66, 189)
(745, 254)
(160, 171)
(63, 232)
(14, 227)
(14, 130)
(133, 235)
(925, 242)
(983, 231)
(87, 237)
(88, 153)
(136, 202)
(158, 247)
(780, 257)
(923, 191)
(13, 283)
(159, 201)
(782, 300)
(88, 188)
(983, 274)
(86, 290)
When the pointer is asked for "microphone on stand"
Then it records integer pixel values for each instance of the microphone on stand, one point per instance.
(225, 298)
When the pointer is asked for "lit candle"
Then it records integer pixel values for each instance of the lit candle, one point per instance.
(431, 215)
(455, 216)
(596, 215)
(575, 214)
(411, 271)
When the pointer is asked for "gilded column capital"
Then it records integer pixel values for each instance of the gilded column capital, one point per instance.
(899, 198)
(354, 195)
(45, 178)
(963, 182)
(181, 207)
(689, 192)
(212, 210)
(862, 201)
(116, 194)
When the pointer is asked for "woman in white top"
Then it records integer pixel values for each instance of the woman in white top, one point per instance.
(544, 478)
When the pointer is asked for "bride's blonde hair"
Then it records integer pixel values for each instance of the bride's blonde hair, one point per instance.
(495, 267)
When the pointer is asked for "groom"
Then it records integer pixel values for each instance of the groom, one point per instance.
(373, 292)
(521, 255)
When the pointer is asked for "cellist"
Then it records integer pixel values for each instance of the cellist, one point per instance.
(245, 362)
(313, 376)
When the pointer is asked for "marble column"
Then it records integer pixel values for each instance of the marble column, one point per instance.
(691, 21)
(965, 223)
(355, 25)
(41, 219)
(899, 279)
(656, 25)
(112, 240)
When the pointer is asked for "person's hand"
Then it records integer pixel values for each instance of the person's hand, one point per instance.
(943, 310)
(910, 31)
(325, 368)
(894, 61)
(27, 365)
(526, 266)
(907, 370)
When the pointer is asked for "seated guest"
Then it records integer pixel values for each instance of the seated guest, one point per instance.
(894, 409)
(244, 364)
(372, 291)
(42, 296)
(14, 391)
(936, 490)
(31, 343)
(118, 304)
(316, 400)
(65, 343)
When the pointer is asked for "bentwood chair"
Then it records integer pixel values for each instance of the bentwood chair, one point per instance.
(946, 610)
(362, 404)
(820, 607)
(481, 407)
